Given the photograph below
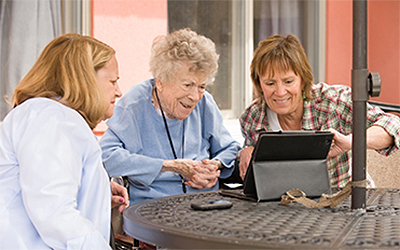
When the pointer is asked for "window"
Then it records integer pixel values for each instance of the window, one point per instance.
(236, 27)
(305, 19)
(223, 22)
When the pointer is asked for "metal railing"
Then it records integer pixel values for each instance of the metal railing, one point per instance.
(387, 107)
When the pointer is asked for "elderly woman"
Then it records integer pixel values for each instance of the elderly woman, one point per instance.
(287, 99)
(55, 193)
(166, 134)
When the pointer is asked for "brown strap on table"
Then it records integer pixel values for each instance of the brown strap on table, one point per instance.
(296, 195)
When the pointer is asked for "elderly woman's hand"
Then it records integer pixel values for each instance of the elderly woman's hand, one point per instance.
(119, 196)
(198, 174)
(245, 157)
(207, 173)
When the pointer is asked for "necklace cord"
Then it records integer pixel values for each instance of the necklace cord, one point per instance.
(169, 138)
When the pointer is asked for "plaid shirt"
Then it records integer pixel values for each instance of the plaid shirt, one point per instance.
(331, 108)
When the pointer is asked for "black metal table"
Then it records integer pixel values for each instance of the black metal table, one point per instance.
(170, 222)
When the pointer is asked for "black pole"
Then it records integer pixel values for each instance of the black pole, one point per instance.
(359, 76)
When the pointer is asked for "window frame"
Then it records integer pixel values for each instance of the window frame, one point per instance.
(76, 16)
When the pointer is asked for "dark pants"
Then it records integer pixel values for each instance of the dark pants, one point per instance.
(234, 178)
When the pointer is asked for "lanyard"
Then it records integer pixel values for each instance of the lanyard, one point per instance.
(170, 140)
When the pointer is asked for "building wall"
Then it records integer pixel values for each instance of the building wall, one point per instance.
(384, 47)
(383, 44)
(129, 26)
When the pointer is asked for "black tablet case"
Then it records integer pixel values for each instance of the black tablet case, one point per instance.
(287, 160)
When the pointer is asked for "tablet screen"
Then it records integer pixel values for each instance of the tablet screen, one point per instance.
(292, 145)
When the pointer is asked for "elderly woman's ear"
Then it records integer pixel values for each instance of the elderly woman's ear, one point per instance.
(159, 85)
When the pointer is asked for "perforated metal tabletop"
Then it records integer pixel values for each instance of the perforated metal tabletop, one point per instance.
(170, 222)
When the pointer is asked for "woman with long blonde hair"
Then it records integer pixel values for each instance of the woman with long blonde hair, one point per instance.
(55, 193)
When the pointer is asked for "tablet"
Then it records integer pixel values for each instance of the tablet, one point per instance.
(287, 160)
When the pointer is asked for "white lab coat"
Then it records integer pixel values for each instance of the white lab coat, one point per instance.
(54, 191)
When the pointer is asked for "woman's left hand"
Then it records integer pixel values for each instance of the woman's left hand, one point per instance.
(119, 196)
(340, 144)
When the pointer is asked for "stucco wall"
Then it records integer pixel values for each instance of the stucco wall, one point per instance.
(129, 26)
(383, 44)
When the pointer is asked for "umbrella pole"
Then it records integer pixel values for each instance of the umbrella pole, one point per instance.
(359, 75)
